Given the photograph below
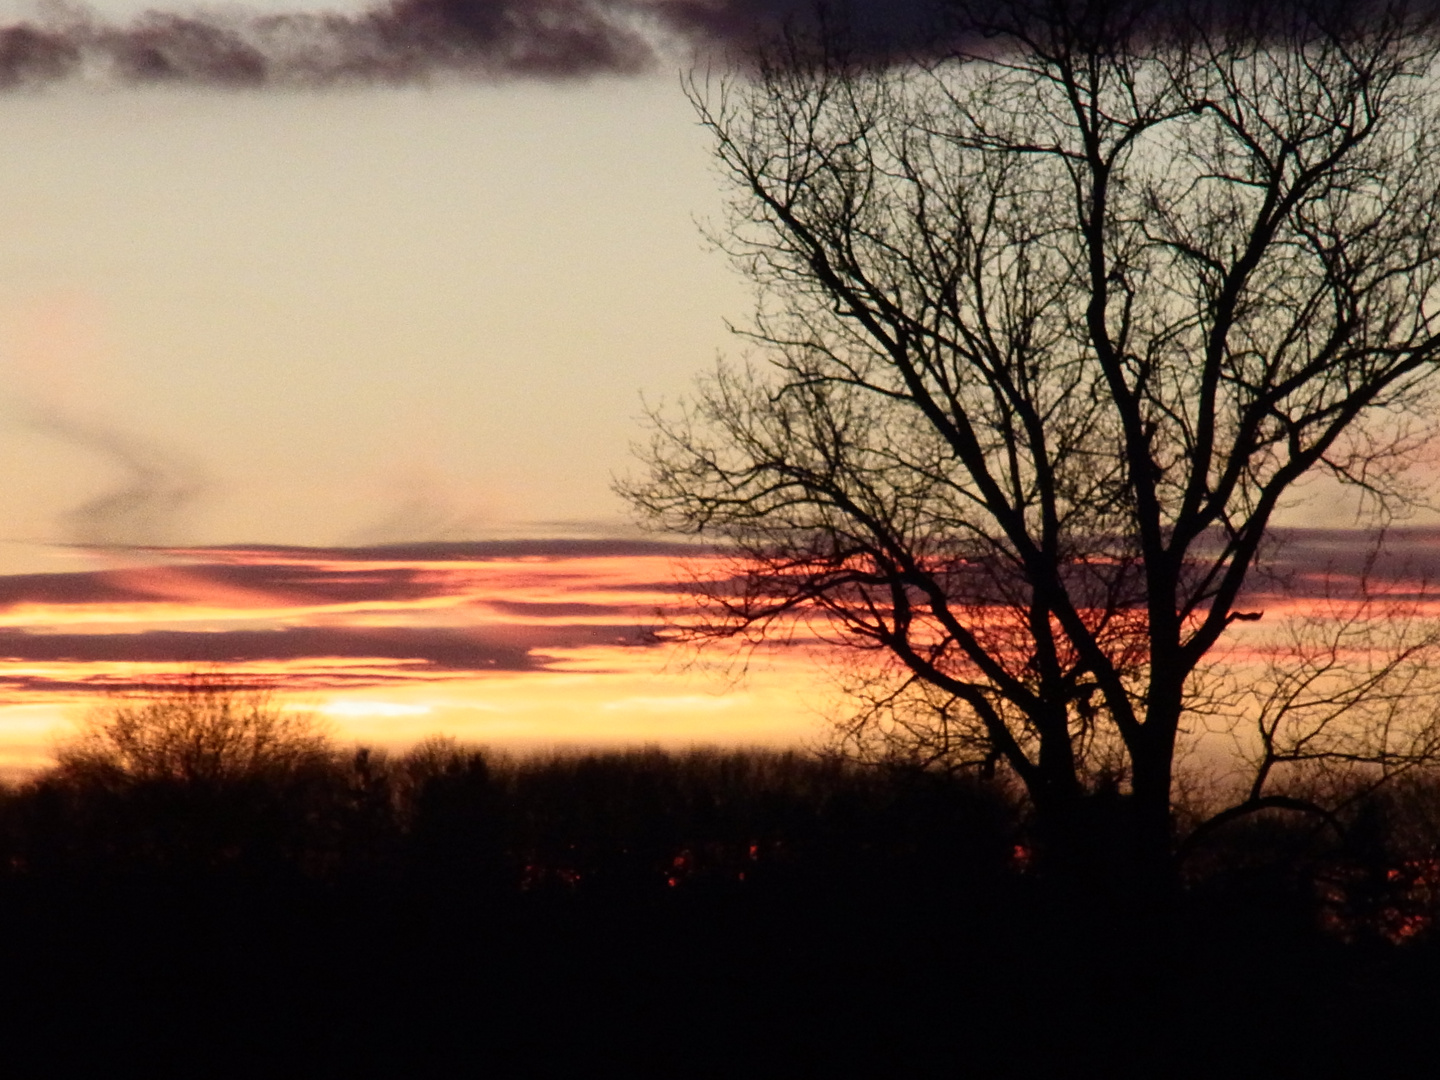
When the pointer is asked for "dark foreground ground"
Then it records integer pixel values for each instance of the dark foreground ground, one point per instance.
(643, 915)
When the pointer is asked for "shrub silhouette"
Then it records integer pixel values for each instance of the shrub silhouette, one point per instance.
(204, 774)
(206, 730)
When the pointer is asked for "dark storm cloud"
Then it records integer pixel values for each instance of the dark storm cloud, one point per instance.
(409, 41)
(30, 54)
(413, 41)
(1085, 23)
(884, 26)
(400, 42)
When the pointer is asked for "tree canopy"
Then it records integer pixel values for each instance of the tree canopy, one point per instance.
(1050, 324)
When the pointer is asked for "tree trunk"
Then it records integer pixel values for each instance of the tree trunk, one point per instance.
(1152, 828)
(1110, 848)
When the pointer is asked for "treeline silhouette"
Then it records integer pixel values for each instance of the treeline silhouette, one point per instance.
(700, 913)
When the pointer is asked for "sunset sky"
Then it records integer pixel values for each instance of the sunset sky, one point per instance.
(268, 331)
(367, 313)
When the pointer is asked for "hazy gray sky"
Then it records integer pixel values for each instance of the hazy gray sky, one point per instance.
(360, 314)
(365, 313)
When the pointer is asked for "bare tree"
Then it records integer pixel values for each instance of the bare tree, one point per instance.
(1335, 703)
(205, 730)
(1051, 325)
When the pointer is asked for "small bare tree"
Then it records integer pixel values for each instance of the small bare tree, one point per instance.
(1052, 325)
(206, 730)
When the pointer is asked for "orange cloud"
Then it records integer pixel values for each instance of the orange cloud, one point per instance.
(521, 642)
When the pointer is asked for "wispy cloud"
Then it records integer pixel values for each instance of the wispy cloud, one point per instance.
(155, 485)
(438, 648)
(417, 615)
(325, 617)
(508, 640)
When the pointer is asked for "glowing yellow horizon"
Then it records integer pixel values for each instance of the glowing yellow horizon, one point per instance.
(519, 652)
(519, 645)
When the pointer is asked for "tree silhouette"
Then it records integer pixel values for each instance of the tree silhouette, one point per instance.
(207, 729)
(1053, 323)
(199, 775)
